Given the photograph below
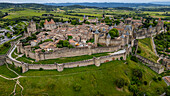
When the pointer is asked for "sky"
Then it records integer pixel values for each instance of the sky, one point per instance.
(74, 1)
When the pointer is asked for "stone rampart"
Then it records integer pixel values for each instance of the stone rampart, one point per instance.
(66, 52)
(60, 67)
(154, 66)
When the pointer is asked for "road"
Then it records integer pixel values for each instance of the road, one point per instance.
(7, 39)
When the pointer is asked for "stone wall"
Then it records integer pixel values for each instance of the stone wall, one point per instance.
(66, 52)
(154, 66)
(60, 67)
(2, 59)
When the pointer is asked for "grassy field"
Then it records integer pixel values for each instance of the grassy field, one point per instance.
(92, 80)
(147, 50)
(5, 72)
(4, 49)
(61, 60)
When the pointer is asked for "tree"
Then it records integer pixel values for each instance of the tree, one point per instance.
(70, 37)
(133, 88)
(120, 82)
(167, 91)
(145, 82)
(65, 43)
(114, 33)
(121, 58)
(137, 73)
(77, 87)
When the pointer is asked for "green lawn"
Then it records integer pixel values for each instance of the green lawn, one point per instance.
(61, 60)
(147, 50)
(92, 80)
(5, 72)
(4, 49)
(13, 55)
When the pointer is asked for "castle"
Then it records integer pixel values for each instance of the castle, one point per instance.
(31, 28)
(128, 31)
(49, 25)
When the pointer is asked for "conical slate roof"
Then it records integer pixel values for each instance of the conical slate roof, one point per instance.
(150, 26)
(122, 36)
(110, 27)
(104, 29)
(115, 25)
(127, 33)
(96, 32)
(108, 36)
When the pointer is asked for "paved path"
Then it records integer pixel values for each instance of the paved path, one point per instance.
(154, 47)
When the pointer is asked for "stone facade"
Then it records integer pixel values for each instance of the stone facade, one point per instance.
(49, 25)
(64, 52)
(31, 28)
(2, 59)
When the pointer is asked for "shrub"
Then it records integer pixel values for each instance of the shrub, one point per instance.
(41, 69)
(145, 82)
(77, 87)
(167, 91)
(133, 88)
(137, 73)
(155, 79)
(69, 37)
(120, 82)
(43, 50)
(159, 78)
(139, 50)
(121, 58)
(134, 58)
(99, 45)
(7, 44)
(59, 46)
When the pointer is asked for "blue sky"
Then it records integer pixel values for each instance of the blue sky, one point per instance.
(65, 1)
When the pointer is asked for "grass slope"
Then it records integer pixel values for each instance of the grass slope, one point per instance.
(61, 60)
(147, 50)
(93, 81)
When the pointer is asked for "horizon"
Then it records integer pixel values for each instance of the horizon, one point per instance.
(82, 1)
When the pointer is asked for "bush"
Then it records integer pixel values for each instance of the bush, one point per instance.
(41, 69)
(121, 58)
(159, 78)
(133, 88)
(120, 82)
(42, 50)
(134, 58)
(7, 44)
(145, 82)
(167, 91)
(77, 87)
(155, 79)
(139, 50)
(137, 73)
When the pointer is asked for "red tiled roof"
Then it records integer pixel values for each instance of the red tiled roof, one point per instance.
(168, 79)
(51, 22)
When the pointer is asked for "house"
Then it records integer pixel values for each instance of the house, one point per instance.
(34, 43)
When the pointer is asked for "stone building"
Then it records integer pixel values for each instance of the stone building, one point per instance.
(31, 28)
(49, 25)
